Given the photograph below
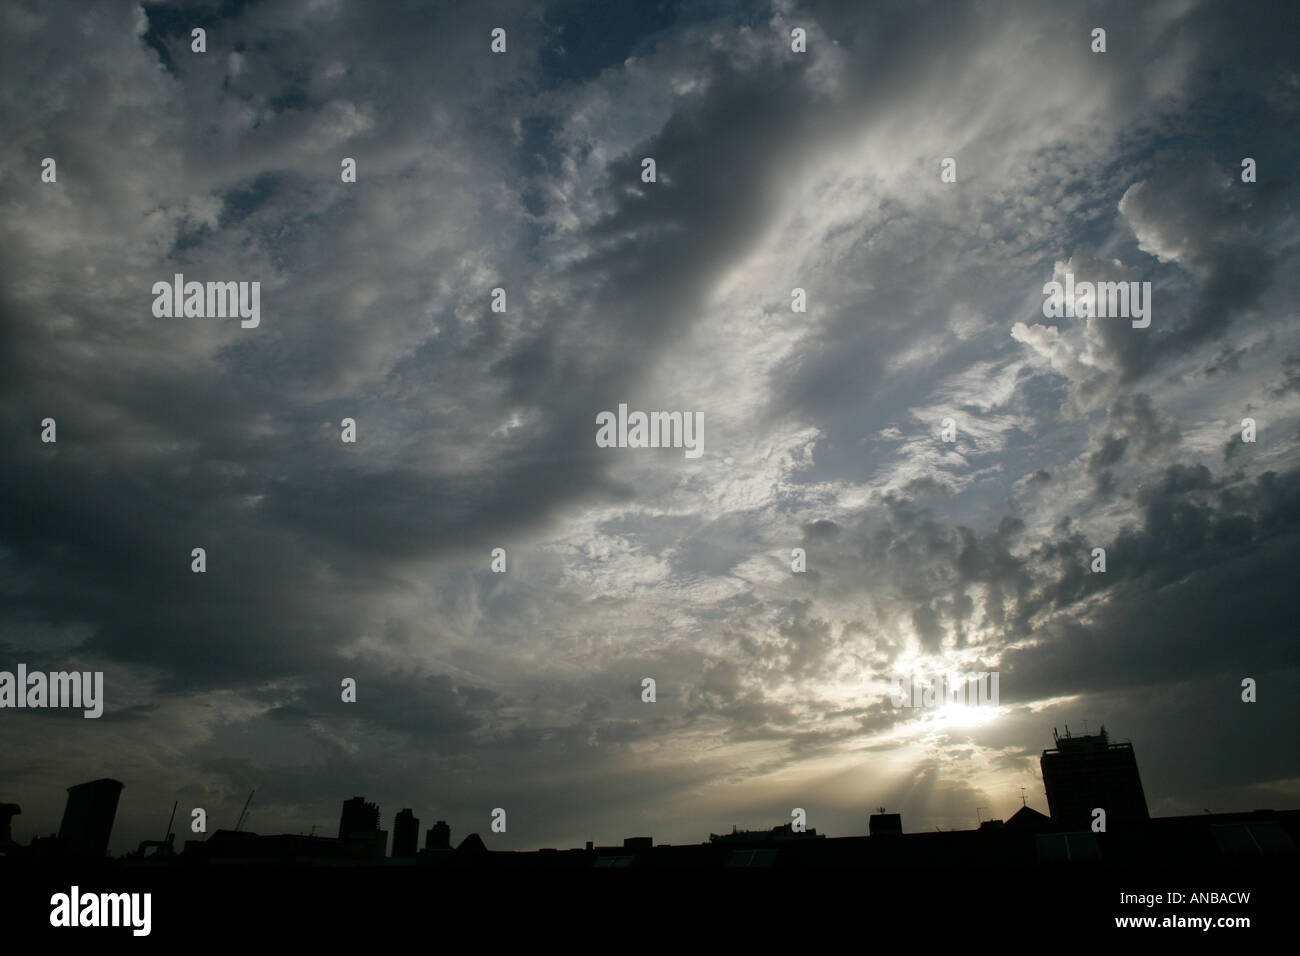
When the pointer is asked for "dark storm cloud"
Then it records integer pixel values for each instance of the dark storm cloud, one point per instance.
(1203, 570)
(1224, 236)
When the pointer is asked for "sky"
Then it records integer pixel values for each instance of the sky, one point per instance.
(823, 429)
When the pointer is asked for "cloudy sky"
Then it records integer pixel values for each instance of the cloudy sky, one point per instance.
(476, 429)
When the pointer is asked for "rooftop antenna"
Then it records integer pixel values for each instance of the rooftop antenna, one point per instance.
(880, 810)
(978, 819)
(1022, 796)
(244, 813)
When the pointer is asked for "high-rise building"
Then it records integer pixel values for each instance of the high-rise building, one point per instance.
(88, 818)
(1088, 772)
(358, 817)
(438, 837)
(406, 833)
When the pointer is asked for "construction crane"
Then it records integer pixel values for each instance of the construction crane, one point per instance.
(164, 846)
(244, 813)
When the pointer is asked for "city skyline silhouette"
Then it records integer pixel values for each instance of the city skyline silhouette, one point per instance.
(1093, 785)
(538, 435)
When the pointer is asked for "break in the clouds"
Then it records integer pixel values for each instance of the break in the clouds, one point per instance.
(475, 426)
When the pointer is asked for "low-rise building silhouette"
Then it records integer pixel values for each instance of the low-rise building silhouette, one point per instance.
(1027, 818)
(785, 831)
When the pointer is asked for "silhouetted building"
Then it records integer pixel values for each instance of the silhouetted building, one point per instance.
(885, 824)
(785, 831)
(1086, 772)
(406, 834)
(471, 849)
(358, 817)
(1027, 818)
(88, 818)
(226, 847)
(7, 812)
(638, 843)
(438, 837)
(163, 850)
